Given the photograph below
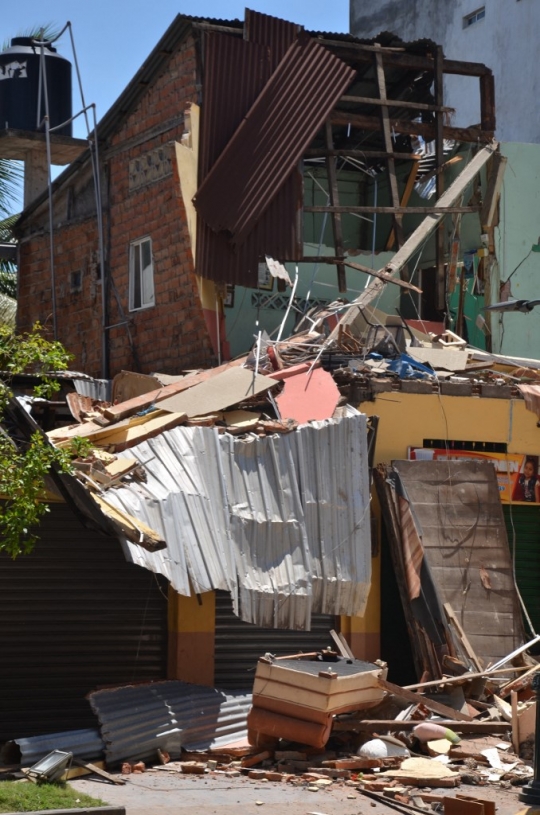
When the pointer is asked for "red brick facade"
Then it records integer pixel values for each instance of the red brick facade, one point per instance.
(167, 337)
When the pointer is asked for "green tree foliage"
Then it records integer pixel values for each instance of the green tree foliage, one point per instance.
(24, 465)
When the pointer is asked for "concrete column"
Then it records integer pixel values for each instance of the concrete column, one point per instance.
(36, 174)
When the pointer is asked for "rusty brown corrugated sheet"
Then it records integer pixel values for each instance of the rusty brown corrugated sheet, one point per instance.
(231, 63)
(277, 34)
(278, 234)
(235, 72)
(272, 139)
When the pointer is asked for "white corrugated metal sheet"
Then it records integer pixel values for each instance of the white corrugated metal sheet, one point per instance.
(281, 522)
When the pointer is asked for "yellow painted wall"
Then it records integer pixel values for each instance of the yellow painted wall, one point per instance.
(406, 419)
(192, 623)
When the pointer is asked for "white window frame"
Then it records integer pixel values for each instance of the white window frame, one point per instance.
(475, 17)
(141, 279)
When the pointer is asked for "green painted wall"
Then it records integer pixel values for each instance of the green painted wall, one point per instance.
(516, 333)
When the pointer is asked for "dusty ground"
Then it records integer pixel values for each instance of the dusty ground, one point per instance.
(166, 793)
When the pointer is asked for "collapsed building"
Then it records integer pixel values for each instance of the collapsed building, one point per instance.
(242, 488)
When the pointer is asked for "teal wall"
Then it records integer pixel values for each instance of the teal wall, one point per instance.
(515, 333)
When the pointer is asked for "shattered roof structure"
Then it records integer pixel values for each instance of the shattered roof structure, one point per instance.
(272, 511)
(261, 518)
(316, 98)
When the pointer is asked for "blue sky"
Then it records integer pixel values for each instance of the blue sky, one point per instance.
(113, 37)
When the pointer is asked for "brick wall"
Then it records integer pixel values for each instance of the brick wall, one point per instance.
(169, 336)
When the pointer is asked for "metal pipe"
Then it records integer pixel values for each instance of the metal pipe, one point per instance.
(43, 73)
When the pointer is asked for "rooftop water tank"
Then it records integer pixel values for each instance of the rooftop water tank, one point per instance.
(19, 87)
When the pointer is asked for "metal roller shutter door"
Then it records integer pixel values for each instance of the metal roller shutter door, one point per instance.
(525, 521)
(75, 616)
(238, 645)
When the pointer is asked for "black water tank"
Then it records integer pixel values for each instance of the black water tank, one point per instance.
(19, 87)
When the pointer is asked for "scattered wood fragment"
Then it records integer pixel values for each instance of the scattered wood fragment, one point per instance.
(466, 805)
(462, 637)
(342, 645)
(380, 725)
(134, 530)
(94, 768)
(424, 772)
(521, 682)
(415, 698)
(138, 403)
(458, 680)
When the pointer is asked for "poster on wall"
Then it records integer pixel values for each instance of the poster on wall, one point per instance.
(517, 473)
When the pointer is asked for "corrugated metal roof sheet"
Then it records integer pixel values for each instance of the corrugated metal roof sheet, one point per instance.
(86, 745)
(278, 35)
(271, 140)
(281, 522)
(230, 62)
(136, 720)
(99, 389)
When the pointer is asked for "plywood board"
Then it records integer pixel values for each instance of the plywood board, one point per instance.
(222, 391)
(458, 508)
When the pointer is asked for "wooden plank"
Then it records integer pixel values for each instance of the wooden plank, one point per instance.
(342, 645)
(394, 103)
(390, 163)
(493, 191)
(427, 131)
(334, 201)
(407, 192)
(418, 699)
(465, 677)
(381, 275)
(489, 806)
(124, 438)
(318, 152)
(134, 530)
(398, 56)
(526, 723)
(454, 806)
(132, 406)
(392, 210)
(467, 647)
(346, 646)
(380, 725)
(99, 771)
(487, 101)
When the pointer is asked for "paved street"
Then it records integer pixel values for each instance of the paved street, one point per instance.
(165, 793)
